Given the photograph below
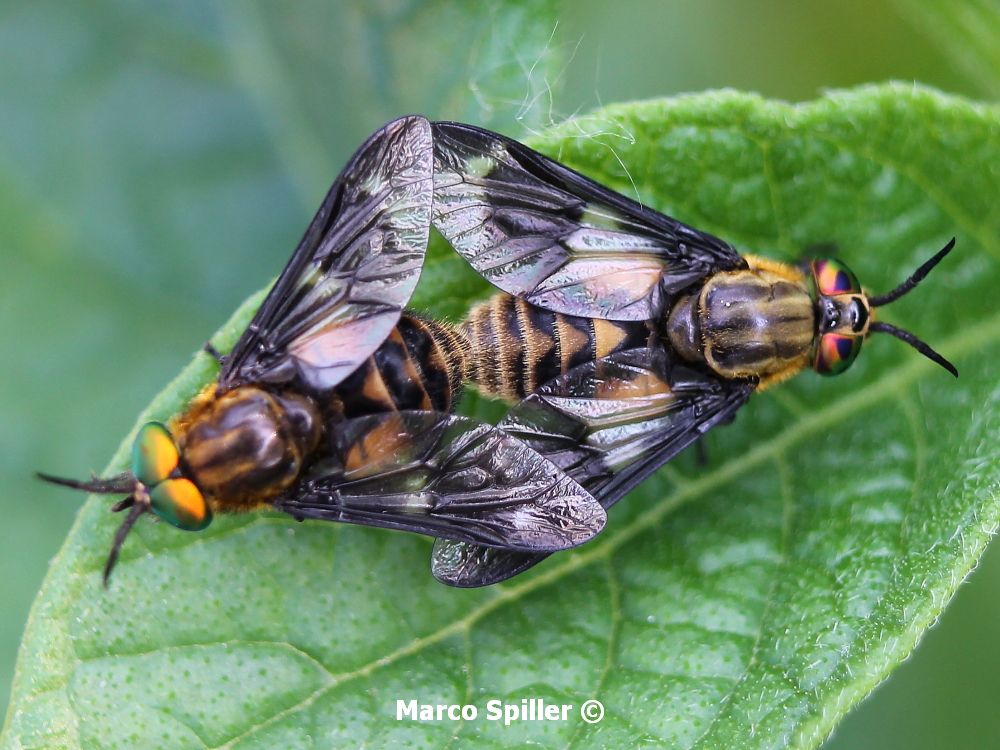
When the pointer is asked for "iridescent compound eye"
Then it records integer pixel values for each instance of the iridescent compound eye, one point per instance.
(180, 503)
(154, 454)
(835, 353)
(155, 460)
(833, 277)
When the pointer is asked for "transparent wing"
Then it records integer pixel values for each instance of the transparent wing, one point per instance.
(547, 234)
(354, 269)
(608, 425)
(446, 476)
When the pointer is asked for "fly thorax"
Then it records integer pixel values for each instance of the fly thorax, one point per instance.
(248, 445)
(755, 323)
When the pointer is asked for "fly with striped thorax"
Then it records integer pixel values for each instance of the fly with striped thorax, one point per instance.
(626, 334)
(336, 405)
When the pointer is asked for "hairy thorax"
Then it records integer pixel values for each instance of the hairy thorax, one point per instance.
(758, 322)
(247, 445)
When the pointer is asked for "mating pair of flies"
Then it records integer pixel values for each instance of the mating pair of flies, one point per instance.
(619, 336)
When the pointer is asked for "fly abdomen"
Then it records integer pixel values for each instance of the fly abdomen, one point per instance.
(421, 365)
(517, 347)
(440, 353)
(497, 344)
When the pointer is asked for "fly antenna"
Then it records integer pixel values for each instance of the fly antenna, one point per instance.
(916, 278)
(136, 510)
(880, 327)
(124, 482)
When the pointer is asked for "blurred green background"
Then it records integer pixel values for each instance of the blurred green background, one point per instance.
(159, 161)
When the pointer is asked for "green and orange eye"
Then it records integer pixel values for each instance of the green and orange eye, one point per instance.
(833, 277)
(180, 503)
(835, 353)
(154, 454)
(155, 460)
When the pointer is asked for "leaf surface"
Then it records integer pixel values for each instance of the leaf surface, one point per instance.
(747, 603)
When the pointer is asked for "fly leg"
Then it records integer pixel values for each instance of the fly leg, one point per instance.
(701, 444)
(218, 356)
(700, 452)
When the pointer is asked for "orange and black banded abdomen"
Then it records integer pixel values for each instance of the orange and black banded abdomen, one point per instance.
(517, 347)
(421, 365)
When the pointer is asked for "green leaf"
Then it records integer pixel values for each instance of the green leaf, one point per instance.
(967, 31)
(749, 603)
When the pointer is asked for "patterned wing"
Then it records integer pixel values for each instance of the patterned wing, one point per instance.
(608, 425)
(356, 267)
(557, 239)
(446, 476)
